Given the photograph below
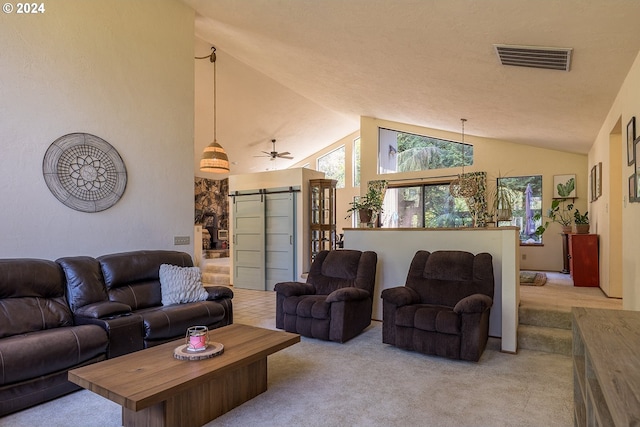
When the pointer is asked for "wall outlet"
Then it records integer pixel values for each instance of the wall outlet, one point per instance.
(181, 240)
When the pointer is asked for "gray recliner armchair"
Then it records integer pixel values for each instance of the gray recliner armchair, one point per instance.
(336, 301)
(444, 307)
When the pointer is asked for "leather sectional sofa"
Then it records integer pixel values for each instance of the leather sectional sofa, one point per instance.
(57, 316)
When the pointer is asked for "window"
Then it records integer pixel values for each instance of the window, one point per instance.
(332, 164)
(356, 162)
(526, 204)
(406, 152)
(428, 206)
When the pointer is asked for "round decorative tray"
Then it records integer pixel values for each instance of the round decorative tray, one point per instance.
(213, 349)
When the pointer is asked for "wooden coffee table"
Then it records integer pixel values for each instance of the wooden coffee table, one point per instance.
(156, 389)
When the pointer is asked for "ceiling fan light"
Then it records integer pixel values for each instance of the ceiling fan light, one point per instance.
(214, 159)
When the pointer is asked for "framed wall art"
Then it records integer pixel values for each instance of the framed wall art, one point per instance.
(632, 188)
(631, 137)
(636, 145)
(598, 180)
(564, 186)
(592, 184)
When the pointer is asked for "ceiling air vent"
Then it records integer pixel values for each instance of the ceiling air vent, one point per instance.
(550, 58)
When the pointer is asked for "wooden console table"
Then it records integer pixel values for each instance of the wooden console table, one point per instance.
(606, 367)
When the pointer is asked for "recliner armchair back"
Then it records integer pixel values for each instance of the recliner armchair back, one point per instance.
(333, 270)
(445, 277)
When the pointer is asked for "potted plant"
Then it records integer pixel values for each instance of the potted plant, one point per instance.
(368, 206)
(581, 221)
(558, 212)
(503, 203)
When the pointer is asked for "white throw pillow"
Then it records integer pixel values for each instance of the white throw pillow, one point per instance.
(181, 284)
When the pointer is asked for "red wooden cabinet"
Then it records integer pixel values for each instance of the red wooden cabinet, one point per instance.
(583, 259)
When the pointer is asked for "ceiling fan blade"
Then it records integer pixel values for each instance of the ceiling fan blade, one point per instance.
(285, 157)
(284, 153)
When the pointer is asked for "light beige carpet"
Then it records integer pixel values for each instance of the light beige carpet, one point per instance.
(367, 383)
(532, 278)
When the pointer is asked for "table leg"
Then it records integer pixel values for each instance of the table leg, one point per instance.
(202, 403)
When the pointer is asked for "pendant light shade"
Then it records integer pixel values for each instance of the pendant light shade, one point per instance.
(463, 186)
(214, 159)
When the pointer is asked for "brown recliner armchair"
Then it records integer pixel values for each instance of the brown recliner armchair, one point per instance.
(444, 307)
(336, 301)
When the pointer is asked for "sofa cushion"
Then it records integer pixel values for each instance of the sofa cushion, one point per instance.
(44, 352)
(84, 281)
(341, 264)
(172, 321)
(180, 285)
(26, 277)
(127, 268)
(315, 306)
(448, 322)
(31, 296)
(23, 315)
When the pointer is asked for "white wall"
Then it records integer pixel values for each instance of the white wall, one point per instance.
(625, 106)
(345, 195)
(123, 71)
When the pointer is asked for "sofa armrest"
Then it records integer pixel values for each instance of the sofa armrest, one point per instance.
(400, 296)
(125, 332)
(218, 292)
(289, 289)
(104, 309)
(476, 303)
(348, 294)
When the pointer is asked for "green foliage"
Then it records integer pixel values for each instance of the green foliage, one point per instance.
(579, 218)
(503, 200)
(558, 212)
(418, 152)
(372, 200)
(441, 209)
(418, 158)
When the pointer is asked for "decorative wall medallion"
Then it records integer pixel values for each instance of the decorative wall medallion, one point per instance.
(84, 172)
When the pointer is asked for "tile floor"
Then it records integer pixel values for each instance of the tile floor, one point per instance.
(254, 308)
(257, 308)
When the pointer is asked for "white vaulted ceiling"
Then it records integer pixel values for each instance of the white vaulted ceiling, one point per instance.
(423, 62)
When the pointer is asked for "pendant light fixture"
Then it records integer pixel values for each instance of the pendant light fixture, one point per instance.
(463, 186)
(214, 158)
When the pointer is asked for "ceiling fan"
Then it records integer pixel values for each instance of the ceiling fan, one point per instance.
(273, 154)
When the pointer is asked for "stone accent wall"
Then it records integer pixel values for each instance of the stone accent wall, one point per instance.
(212, 208)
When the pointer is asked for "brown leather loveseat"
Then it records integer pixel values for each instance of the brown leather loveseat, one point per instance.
(56, 316)
(122, 294)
